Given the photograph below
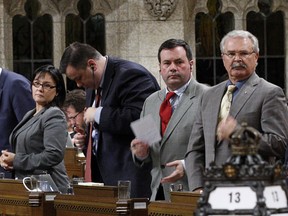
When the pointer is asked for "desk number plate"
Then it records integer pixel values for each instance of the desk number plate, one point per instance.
(232, 198)
(275, 197)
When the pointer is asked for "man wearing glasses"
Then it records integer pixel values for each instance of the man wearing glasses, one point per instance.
(120, 87)
(74, 106)
(255, 101)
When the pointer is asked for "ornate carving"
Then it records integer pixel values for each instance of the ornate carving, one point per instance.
(96, 209)
(14, 7)
(105, 4)
(245, 168)
(14, 202)
(56, 7)
(239, 8)
(161, 9)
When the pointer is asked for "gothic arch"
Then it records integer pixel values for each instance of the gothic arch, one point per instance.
(240, 10)
(58, 8)
(14, 7)
(201, 6)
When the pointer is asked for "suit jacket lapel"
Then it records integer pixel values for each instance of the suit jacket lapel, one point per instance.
(21, 126)
(108, 78)
(107, 81)
(185, 103)
(215, 101)
(244, 94)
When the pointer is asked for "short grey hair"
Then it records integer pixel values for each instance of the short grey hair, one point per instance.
(242, 34)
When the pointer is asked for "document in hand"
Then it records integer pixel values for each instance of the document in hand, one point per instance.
(146, 130)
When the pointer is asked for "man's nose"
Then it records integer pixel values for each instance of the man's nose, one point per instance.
(238, 57)
(172, 67)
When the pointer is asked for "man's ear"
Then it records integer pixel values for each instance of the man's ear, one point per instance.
(92, 64)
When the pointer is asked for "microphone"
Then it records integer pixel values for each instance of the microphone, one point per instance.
(92, 68)
(92, 71)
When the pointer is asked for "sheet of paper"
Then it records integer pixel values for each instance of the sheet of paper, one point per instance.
(146, 130)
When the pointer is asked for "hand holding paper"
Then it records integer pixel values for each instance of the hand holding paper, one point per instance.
(146, 130)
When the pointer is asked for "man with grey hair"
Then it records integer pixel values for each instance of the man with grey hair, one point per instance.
(255, 101)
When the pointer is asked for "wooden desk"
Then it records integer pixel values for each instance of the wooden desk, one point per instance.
(98, 201)
(16, 200)
(71, 205)
(182, 204)
(75, 165)
(88, 201)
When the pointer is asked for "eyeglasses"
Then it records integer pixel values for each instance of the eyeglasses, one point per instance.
(242, 55)
(45, 86)
(74, 117)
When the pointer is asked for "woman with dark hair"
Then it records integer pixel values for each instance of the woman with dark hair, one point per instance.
(38, 141)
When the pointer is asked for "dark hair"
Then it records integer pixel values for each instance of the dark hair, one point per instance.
(77, 55)
(75, 98)
(58, 78)
(172, 43)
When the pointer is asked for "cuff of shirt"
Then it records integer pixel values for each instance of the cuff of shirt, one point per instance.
(183, 163)
(97, 114)
(141, 158)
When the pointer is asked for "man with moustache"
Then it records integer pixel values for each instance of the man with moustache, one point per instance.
(255, 101)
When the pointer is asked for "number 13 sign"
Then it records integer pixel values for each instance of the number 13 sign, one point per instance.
(232, 198)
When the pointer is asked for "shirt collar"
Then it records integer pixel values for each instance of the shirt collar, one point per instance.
(181, 89)
(102, 78)
(238, 84)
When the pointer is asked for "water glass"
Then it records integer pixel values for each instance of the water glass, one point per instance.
(124, 189)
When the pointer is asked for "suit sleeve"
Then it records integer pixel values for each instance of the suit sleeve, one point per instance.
(133, 87)
(195, 155)
(53, 144)
(274, 125)
(21, 99)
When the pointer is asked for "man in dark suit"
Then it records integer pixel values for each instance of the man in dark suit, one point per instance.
(176, 64)
(124, 86)
(16, 100)
(255, 101)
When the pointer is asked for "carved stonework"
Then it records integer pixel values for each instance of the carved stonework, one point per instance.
(239, 8)
(14, 7)
(161, 9)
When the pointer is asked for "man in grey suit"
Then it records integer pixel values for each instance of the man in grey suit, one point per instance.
(176, 63)
(255, 101)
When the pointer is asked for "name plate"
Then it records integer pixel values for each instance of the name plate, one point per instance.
(232, 198)
(140, 205)
(275, 197)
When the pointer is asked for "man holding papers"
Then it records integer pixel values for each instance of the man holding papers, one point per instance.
(167, 155)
